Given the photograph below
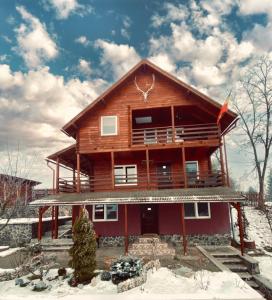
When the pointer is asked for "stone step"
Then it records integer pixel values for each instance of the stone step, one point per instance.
(147, 252)
(4, 248)
(253, 284)
(244, 275)
(224, 255)
(158, 246)
(149, 240)
(236, 267)
(232, 260)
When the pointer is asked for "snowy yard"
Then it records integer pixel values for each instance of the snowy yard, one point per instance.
(160, 284)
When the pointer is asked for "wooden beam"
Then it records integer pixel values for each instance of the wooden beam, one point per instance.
(40, 224)
(226, 162)
(78, 172)
(56, 222)
(126, 229)
(112, 171)
(184, 167)
(173, 123)
(74, 180)
(147, 167)
(57, 175)
(52, 221)
(241, 228)
(183, 230)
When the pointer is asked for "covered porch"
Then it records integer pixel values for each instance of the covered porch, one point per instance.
(178, 198)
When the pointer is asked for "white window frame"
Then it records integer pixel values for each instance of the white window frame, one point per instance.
(105, 214)
(116, 126)
(196, 211)
(126, 184)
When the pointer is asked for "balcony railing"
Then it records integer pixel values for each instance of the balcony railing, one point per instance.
(164, 135)
(141, 181)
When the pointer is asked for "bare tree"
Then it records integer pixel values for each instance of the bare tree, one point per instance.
(13, 174)
(253, 104)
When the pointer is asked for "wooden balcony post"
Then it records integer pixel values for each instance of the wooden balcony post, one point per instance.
(126, 229)
(147, 167)
(183, 230)
(129, 126)
(74, 180)
(173, 123)
(184, 167)
(56, 222)
(40, 224)
(57, 175)
(241, 228)
(112, 170)
(78, 173)
(226, 162)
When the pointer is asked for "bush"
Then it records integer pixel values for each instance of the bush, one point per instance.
(125, 268)
(106, 276)
(82, 253)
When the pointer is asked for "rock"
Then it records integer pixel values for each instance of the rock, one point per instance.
(40, 286)
(62, 272)
(105, 276)
(80, 286)
(18, 281)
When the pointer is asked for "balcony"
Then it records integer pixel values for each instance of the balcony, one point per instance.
(142, 181)
(177, 134)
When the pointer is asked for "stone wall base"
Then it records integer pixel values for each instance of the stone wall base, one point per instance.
(175, 239)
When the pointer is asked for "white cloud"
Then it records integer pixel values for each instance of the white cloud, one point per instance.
(250, 7)
(261, 37)
(173, 13)
(83, 40)
(84, 67)
(207, 75)
(120, 58)
(64, 8)
(34, 43)
(163, 61)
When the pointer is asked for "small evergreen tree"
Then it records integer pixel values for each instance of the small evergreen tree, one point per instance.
(269, 186)
(82, 253)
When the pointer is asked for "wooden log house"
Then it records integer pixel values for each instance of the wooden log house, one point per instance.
(141, 163)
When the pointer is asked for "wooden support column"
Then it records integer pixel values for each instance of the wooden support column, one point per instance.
(226, 162)
(147, 167)
(129, 126)
(241, 228)
(78, 173)
(183, 230)
(40, 224)
(184, 167)
(74, 180)
(126, 229)
(57, 175)
(222, 164)
(112, 171)
(52, 221)
(56, 222)
(173, 123)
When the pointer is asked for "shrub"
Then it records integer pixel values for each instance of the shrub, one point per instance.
(83, 250)
(106, 276)
(125, 268)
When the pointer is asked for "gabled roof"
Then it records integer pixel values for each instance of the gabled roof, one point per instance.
(9, 178)
(71, 126)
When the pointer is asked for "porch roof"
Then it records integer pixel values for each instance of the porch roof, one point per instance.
(213, 194)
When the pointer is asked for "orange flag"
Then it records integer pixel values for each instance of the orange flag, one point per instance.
(223, 109)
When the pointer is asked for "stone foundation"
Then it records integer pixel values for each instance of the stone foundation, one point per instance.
(201, 239)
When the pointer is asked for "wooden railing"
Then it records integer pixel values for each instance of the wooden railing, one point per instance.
(141, 182)
(163, 135)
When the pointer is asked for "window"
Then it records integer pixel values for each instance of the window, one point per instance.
(192, 172)
(125, 175)
(143, 120)
(105, 212)
(197, 210)
(108, 125)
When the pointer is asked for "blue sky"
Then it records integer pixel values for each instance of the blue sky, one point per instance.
(56, 56)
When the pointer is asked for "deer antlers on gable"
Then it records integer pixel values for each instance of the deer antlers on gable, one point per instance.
(145, 93)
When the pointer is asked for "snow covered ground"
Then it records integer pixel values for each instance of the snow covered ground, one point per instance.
(160, 284)
(8, 252)
(265, 264)
(27, 220)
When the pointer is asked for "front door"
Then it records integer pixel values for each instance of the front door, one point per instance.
(149, 218)
(164, 175)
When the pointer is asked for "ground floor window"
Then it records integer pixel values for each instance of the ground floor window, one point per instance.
(199, 210)
(105, 212)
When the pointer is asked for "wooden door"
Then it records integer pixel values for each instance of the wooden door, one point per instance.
(164, 176)
(149, 218)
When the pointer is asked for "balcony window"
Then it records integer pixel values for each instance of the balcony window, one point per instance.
(108, 125)
(192, 172)
(125, 175)
(105, 212)
(197, 210)
(143, 120)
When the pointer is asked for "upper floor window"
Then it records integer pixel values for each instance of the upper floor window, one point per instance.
(200, 210)
(108, 125)
(125, 175)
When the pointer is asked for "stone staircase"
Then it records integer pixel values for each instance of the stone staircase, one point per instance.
(150, 246)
